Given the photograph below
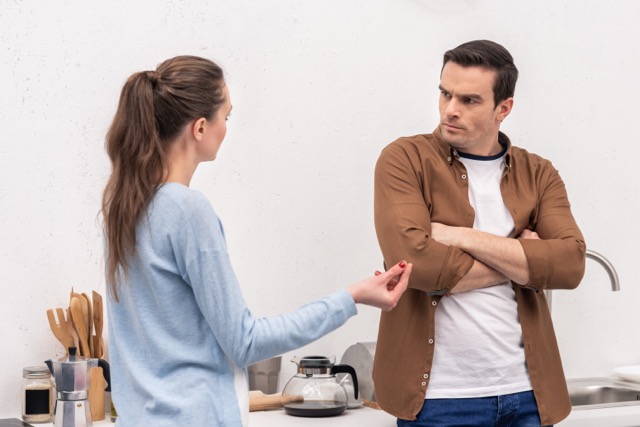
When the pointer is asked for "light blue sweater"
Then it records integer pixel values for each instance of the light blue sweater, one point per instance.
(181, 327)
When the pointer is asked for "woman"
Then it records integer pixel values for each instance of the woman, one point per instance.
(180, 333)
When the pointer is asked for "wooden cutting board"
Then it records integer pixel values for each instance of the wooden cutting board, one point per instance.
(258, 401)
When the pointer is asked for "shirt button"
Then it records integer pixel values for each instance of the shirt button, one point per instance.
(434, 303)
(424, 384)
(464, 176)
(430, 340)
(426, 376)
(449, 159)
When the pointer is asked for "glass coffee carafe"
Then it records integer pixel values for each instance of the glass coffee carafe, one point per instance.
(314, 391)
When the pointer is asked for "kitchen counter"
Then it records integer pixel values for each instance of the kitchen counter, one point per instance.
(620, 416)
(623, 416)
(278, 418)
(362, 416)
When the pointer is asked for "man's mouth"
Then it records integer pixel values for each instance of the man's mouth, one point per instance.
(449, 126)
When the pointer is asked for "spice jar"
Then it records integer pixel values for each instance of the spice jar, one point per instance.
(38, 395)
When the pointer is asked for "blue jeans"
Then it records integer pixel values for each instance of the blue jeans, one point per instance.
(510, 410)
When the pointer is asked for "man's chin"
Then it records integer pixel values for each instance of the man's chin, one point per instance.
(450, 139)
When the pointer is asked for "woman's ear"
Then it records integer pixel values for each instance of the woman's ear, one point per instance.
(198, 128)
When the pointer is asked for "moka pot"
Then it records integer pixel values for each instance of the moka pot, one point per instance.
(72, 376)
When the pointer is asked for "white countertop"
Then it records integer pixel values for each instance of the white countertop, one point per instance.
(362, 416)
(623, 416)
(620, 416)
(278, 418)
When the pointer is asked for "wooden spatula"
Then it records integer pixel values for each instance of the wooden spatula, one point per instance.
(98, 346)
(72, 329)
(80, 325)
(60, 329)
(88, 322)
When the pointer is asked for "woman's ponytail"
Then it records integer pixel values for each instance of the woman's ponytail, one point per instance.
(137, 160)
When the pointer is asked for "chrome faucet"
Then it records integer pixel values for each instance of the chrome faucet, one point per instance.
(611, 271)
(604, 262)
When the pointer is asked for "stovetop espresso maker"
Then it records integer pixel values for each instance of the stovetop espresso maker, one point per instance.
(73, 378)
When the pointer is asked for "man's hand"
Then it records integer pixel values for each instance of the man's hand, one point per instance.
(447, 234)
(528, 234)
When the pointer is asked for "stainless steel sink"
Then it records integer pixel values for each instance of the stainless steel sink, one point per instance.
(604, 392)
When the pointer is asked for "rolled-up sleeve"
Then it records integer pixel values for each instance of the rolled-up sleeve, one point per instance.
(557, 260)
(403, 223)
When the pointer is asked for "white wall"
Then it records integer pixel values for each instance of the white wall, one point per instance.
(318, 89)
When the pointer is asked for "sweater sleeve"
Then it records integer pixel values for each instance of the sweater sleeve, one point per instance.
(244, 338)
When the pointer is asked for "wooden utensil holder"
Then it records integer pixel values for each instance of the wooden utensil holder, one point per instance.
(96, 394)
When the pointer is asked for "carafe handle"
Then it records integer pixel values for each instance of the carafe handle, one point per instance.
(106, 372)
(347, 369)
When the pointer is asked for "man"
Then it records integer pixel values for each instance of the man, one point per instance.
(488, 227)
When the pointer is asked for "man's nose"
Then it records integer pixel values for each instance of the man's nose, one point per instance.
(452, 109)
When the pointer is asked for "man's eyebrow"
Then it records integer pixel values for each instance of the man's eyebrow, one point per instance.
(472, 96)
(468, 95)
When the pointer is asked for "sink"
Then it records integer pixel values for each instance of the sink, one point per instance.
(604, 392)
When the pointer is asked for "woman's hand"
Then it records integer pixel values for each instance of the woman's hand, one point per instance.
(384, 289)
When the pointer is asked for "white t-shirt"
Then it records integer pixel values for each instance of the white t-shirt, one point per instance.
(478, 339)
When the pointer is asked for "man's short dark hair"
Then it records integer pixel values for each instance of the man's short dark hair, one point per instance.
(490, 55)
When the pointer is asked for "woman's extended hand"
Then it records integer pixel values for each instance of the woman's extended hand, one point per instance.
(384, 289)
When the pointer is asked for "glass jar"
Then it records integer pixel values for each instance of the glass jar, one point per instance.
(38, 396)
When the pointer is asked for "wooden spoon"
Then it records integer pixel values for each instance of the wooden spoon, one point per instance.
(77, 314)
(73, 294)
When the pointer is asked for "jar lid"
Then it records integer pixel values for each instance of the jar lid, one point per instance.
(36, 372)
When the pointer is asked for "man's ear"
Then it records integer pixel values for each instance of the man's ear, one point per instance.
(504, 108)
(198, 127)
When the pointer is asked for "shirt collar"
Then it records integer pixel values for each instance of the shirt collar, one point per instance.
(450, 153)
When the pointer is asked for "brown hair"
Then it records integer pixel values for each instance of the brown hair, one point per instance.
(153, 109)
(491, 55)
